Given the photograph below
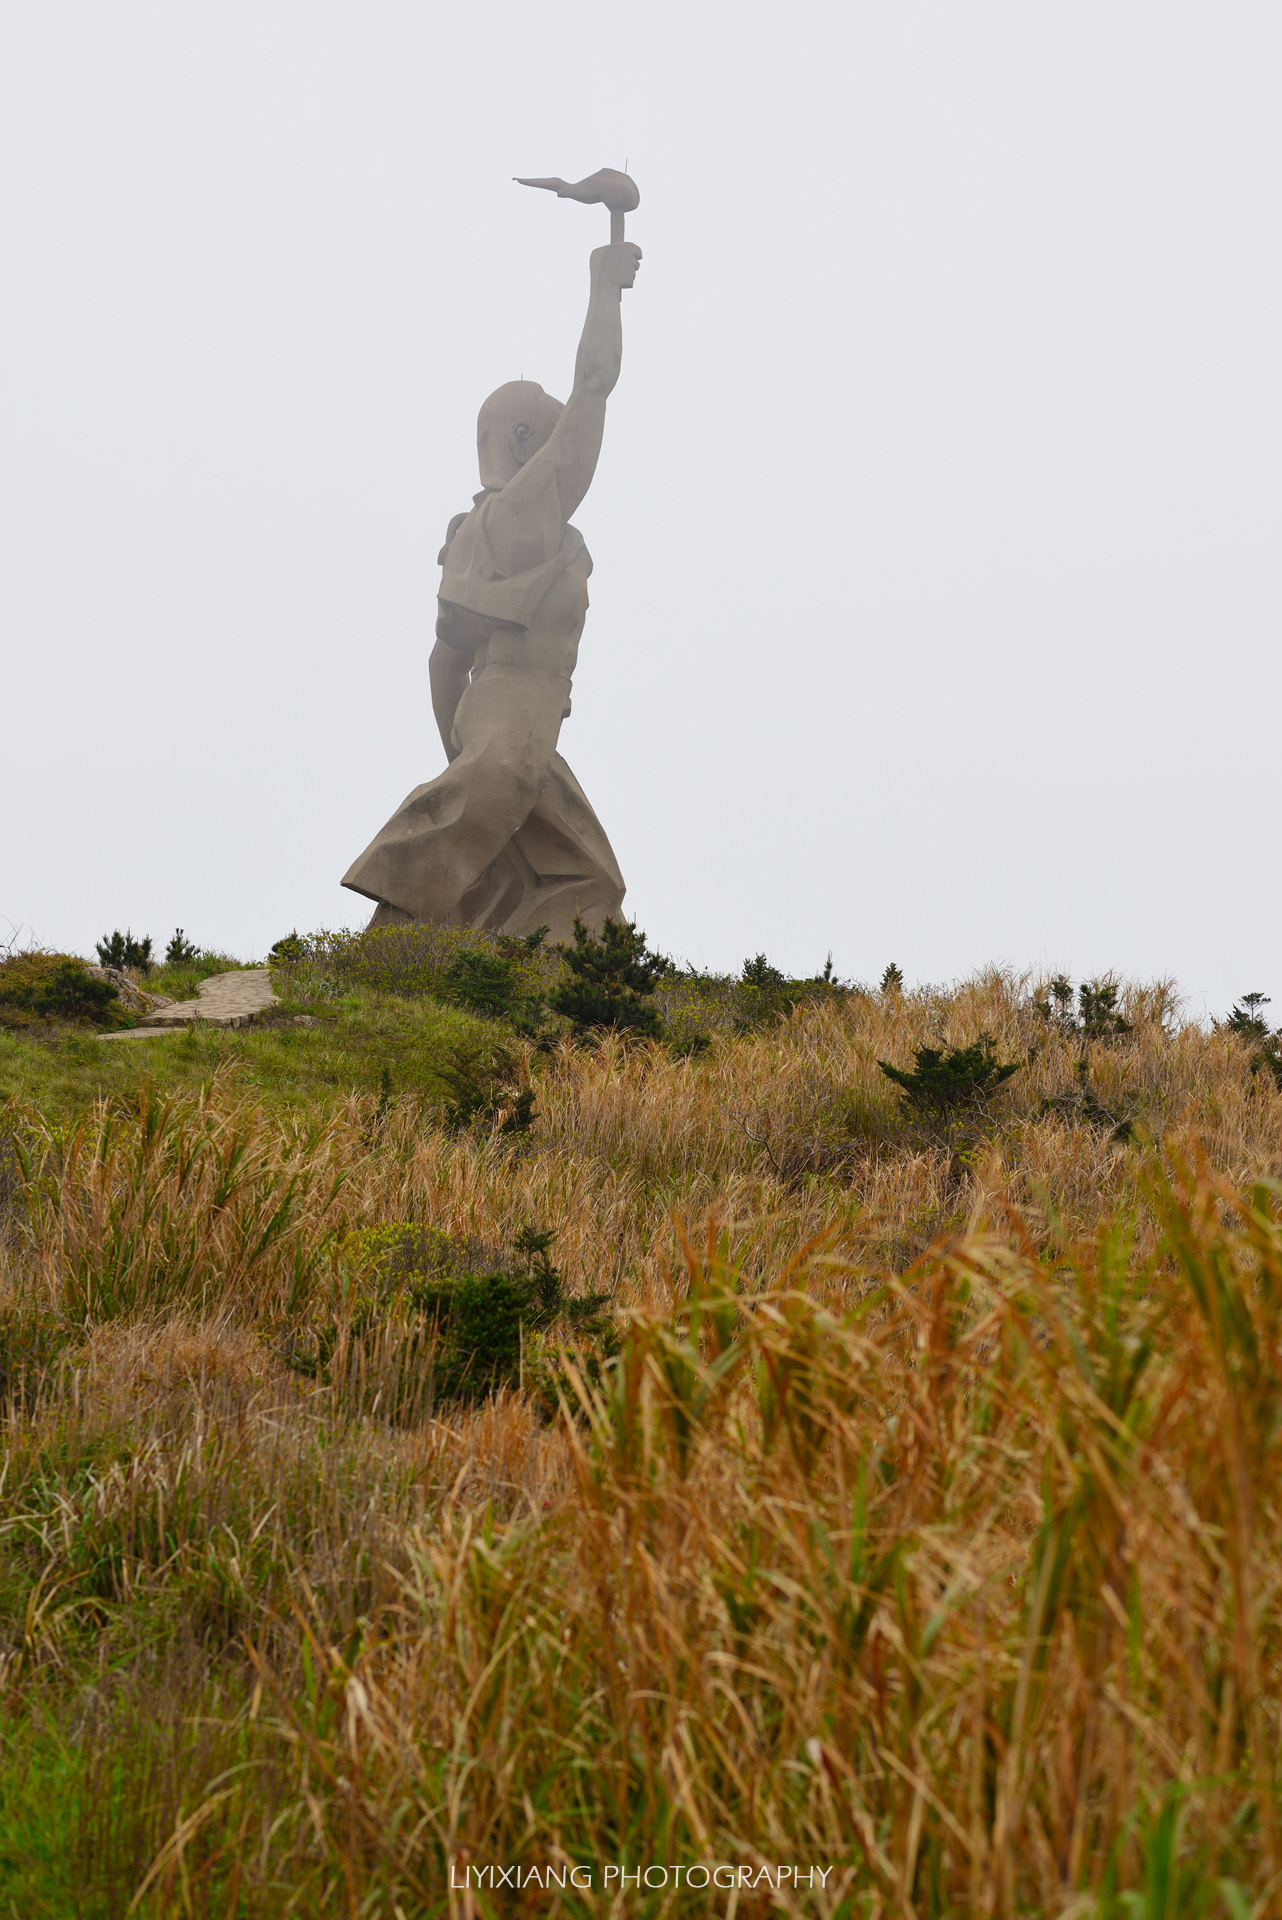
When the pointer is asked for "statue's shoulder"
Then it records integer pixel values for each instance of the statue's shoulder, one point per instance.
(450, 532)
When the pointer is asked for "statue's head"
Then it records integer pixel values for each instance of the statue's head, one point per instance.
(513, 423)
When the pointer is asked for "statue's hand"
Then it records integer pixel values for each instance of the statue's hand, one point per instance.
(616, 265)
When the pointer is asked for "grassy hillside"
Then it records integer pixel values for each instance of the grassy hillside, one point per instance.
(866, 1484)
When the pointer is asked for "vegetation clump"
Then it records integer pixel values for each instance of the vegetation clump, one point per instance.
(457, 963)
(54, 987)
(946, 1081)
(180, 952)
(611, 981)
(356, 1529)
(483, 1081)
(485, 1322)
(1096, 1016)
(1083, 1102)
(503, 983)
(1247, 1024)
(766, 994)
(429, 1319)
(121, 950)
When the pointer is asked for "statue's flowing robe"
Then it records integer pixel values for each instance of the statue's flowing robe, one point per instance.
(505, 838)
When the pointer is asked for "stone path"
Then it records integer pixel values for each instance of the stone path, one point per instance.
(224, 1000)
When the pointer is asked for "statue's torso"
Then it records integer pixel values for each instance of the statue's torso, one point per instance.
(514, 583)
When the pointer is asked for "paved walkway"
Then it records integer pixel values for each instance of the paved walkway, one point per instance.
(224, 1000)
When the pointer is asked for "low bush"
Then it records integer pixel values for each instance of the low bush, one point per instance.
(54, 986)
(485, 1085)
(1083, 1103)
(945, 1082)
(32, 1337)
(482, 982)
(765, 994)
(503, 984)
(425, 1319)
(408, 961)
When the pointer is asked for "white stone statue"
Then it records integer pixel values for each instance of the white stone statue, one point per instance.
(505, 838)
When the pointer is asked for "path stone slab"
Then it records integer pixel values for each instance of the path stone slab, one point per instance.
(224, 1000)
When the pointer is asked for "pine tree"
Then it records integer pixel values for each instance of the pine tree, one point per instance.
(943, 1081)
(609, 979)
(1097, 1007)
(1248, 1024)
(122, 950)
(180, 952)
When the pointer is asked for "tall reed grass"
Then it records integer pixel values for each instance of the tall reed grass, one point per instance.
(925, 1532)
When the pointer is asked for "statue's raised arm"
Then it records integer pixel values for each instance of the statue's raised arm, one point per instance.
(514, 456)
(575, 446)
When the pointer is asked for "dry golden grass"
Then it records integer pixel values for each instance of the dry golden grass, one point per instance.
(926, 1530)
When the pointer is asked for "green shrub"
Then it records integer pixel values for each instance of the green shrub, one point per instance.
(53, 986)
(483, 982)
(610, 981)
(13, 1199)
(695, 1005)
(765, 994)
(501, 984)
(289, 952)
(483, 1082)
(1083, 1103)
(760, 974)
(433, 1319)
(409, 961)
(487, 1323)
(31, 1338)
(947, 1081)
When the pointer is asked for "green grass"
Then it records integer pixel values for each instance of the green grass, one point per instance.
(355, 1041)
(182, 982)
(41, 1787)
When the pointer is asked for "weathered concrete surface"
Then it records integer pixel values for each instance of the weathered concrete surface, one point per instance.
(224, 1000)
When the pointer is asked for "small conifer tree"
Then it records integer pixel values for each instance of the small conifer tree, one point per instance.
(1097, 1010)
(760, 974)
(1246, 1020)
(122, 950)
(1096, 1017)
(944, 1081)
(1247, 1023)
(610, 980)
(180, 952)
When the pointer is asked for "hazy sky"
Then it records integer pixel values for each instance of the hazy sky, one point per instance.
(936, 605)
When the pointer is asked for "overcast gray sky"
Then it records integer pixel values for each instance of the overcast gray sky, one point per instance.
(936, 605)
